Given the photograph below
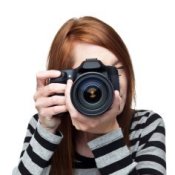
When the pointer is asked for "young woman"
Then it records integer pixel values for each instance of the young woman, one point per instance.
(60, 140)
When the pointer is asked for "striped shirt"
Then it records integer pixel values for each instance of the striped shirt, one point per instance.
(146, 155)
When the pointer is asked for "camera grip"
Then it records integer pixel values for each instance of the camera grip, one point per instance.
(114, 77)
(61, 79)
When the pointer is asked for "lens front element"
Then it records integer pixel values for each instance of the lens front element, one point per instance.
(92, 94)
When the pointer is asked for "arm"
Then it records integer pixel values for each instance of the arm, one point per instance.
(38, 148)
(151, 152)
(114, 157)
(42, 138)
(111, 154)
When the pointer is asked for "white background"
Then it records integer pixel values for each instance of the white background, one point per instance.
(26, 31)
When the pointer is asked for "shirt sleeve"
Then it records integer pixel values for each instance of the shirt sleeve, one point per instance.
(38, 148)
(113, 156)
(151, 152)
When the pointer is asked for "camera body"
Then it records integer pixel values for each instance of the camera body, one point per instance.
(93, 87)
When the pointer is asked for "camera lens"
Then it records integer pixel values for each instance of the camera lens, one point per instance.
(92, 94)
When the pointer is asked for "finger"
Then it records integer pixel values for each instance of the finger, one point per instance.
(117, 100)
(43, 76)
(117, 95)
(76, 124)
(50, 101)
(52, 110)
(53, 88)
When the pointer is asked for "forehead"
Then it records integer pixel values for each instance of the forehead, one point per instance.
(82, 51)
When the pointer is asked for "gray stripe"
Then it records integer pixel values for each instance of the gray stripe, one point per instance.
(92, 171)
(125, 170)
(105, 139)
(40, 150)
(155, 137)
(112, 157)
(152, 127)
(48, 135)
(30, 165)
(46, 171)
(158, 137)
(16, 171)
(141, 121)
(25, 145)
(33, 123)
(153, 165)
(152, 151)
(147, 130)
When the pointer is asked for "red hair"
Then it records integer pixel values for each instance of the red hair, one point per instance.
(93, 31)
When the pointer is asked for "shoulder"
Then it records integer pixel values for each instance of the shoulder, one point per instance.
(146, 118)
(147, 128)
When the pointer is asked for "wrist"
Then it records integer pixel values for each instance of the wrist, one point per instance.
(50, 123)
(49, 129)
(48, 136)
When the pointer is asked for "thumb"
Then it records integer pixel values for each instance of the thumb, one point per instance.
(68, 95)
(117, 101)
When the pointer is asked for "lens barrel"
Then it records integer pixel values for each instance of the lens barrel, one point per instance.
(92, 94)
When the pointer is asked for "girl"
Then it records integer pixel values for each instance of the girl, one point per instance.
(62, 141)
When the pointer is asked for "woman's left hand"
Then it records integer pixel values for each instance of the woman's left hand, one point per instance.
(103, 124)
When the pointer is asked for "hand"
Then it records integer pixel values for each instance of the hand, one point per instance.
(46, 104)
(96, 125)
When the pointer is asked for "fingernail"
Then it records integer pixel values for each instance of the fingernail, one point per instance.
(58, 73)
(69, 81)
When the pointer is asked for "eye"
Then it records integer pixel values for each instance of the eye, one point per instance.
(119, 68)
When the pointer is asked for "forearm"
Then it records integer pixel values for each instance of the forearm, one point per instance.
(145, 156)
(111, 154)
(37, 155)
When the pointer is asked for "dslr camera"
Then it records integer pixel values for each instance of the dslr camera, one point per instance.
(93, 87)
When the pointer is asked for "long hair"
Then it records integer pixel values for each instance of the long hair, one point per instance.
(93, 31)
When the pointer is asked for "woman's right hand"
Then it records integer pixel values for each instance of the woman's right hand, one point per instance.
(48, 104)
